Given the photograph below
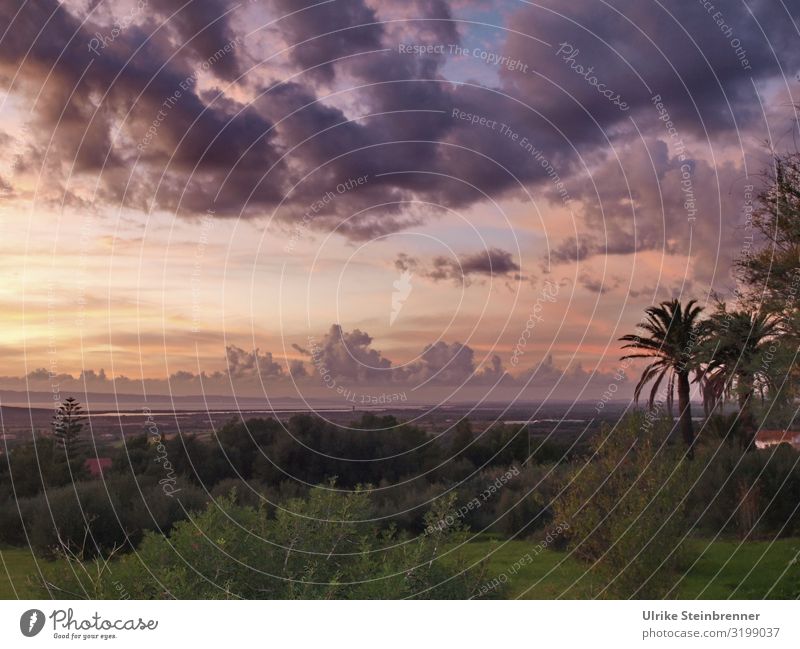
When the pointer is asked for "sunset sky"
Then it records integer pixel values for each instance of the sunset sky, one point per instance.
(185, 183)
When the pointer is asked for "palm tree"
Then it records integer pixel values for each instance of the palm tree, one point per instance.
(738, 357)
(674, 335)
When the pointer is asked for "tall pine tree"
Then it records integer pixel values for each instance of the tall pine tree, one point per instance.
(67, 426)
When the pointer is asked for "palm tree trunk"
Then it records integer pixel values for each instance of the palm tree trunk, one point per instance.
(748, 424)
(685, 408)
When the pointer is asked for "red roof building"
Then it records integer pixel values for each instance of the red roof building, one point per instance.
(97, 465)
(767, 438)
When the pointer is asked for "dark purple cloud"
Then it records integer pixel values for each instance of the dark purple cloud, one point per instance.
(205, 27)
(320, 33)
(646, 199)
(640, 49)
(267, 142)
(491, 262)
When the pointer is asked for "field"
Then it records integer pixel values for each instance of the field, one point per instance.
(17, 568)
(719, 570)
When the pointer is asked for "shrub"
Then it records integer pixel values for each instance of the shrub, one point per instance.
(90, 518)
(751, 494)
(322, 547)
(625, 509)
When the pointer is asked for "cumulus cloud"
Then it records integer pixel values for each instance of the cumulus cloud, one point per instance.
(440, 365)
(347, 356)
(449, 363)
(547, 378)
(248, 365)
(452, 364)
(90, 375)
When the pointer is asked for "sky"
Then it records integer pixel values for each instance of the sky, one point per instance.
(412, 200)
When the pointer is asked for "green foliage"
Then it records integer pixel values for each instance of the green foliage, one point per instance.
(770, 272)
(770, 275)
(323, 547)
(741, 352)
(625, 512)
(751, 495)
(67, 426)
(309, 450)
(725, 428)
(671, 339)
(30, 468)
(673, 333)
(91, 518)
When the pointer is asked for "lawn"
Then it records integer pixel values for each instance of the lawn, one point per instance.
(718, 570)
(744, 571)
(17, 568)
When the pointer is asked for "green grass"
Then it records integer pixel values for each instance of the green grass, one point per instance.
(17, 570)
(548, 575)
(720, 570)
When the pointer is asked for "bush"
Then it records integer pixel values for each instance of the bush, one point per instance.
(30, 468)
(624, 509)
(751, 494)
(322, 547)
(93, 517)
